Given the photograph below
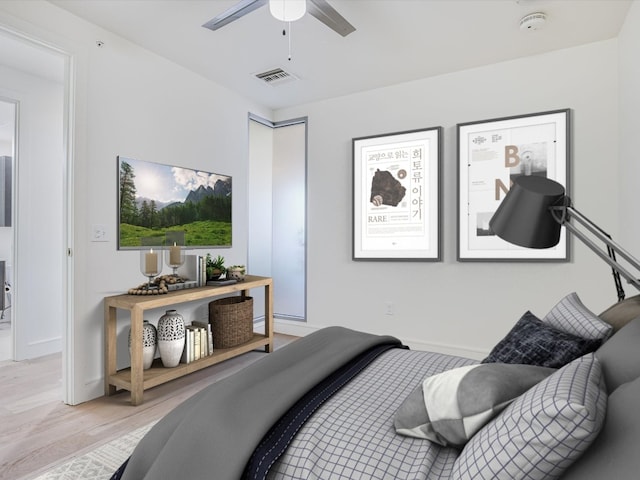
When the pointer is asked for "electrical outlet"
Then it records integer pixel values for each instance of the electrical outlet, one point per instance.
(99, 233)
(388, 308)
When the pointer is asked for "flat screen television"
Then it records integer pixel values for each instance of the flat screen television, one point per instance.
(157, 202)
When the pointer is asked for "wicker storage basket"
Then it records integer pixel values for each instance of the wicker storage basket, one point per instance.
(231, 320)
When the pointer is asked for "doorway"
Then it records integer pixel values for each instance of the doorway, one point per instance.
(277, 211)
(34, 78)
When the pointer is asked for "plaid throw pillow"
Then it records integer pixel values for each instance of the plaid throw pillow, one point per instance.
(571, 316)
(543, 431)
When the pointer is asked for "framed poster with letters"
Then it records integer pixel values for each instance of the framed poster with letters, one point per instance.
(396, 196)
(491, 153)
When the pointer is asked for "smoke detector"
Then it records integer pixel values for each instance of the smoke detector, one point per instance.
(533, 21)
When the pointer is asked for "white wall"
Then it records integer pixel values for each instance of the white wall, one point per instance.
(629, 177)
(131, 102)
(451, 306)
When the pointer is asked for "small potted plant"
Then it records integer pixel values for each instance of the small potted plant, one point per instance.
(215, 267)
(236, 272)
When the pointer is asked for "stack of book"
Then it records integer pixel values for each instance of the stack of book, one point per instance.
(198, 342)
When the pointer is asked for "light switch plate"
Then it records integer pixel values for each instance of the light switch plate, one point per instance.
(99, 233)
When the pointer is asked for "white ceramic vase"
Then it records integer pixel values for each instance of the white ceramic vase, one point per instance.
(171, 338)
(149, 343)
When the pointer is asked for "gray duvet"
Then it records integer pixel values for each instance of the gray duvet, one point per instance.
(212, 434)
(352, 435)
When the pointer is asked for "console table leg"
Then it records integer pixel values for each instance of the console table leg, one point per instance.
(137, 372)
(110, 335)
(268, 316)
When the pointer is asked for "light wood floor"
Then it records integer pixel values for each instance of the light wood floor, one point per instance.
(37, 430)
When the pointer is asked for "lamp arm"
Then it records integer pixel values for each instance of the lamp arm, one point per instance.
(568, 212)
(611, 251)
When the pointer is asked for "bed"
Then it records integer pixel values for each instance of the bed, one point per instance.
(556, 398)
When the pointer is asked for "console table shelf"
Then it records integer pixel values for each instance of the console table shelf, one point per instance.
(135, 379)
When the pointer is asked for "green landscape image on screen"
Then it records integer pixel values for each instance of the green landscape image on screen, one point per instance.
(155, 199)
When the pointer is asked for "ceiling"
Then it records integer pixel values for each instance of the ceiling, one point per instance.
(395, 40)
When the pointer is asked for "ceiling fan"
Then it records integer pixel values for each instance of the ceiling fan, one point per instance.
(320, 9)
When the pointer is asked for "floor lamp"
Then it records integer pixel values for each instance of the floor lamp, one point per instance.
(532, 214)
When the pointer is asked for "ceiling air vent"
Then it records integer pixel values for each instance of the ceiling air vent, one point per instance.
(276, 76)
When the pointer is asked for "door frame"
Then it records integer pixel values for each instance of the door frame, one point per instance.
(68, 141)
(288, 323)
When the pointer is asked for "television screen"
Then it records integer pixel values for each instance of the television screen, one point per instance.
(156, 202)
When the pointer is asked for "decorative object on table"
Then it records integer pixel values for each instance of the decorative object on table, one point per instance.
(150, 264)
(169, 279)
(231, 320)
(171, 338)
(221, 282)
(214, 267)
(236, 272)
(211, 195)
(184, 285)
(397, 213)
(191, 269)
(491, 155)
(158, 287)
(149, 343)
(174, 255)
(535, 209)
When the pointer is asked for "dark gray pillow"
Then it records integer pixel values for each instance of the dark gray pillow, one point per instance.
(533, 342)
(620, 356)
(450, 407)
(614, 454)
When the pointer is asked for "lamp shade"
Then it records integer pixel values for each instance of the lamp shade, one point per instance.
(523, 218)
(288, 10)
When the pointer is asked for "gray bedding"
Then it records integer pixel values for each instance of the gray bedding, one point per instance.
(212, 434)
(352, 435)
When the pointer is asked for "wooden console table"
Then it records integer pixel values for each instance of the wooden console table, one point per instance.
(135, 379)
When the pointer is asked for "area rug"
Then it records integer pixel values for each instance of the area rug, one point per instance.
(100, 463)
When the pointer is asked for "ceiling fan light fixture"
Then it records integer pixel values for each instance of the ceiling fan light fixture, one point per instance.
(288, 10)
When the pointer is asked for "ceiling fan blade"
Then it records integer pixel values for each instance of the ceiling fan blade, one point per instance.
(329, 16)
(240, 9)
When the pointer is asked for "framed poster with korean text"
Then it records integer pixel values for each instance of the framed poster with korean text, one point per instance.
(491, 154)
(396, 196)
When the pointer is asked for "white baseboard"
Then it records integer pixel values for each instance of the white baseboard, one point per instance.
(291, 327)
(288, 327)
(301, 329)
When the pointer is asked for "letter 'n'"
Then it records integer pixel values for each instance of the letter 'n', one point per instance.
(500, 187)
